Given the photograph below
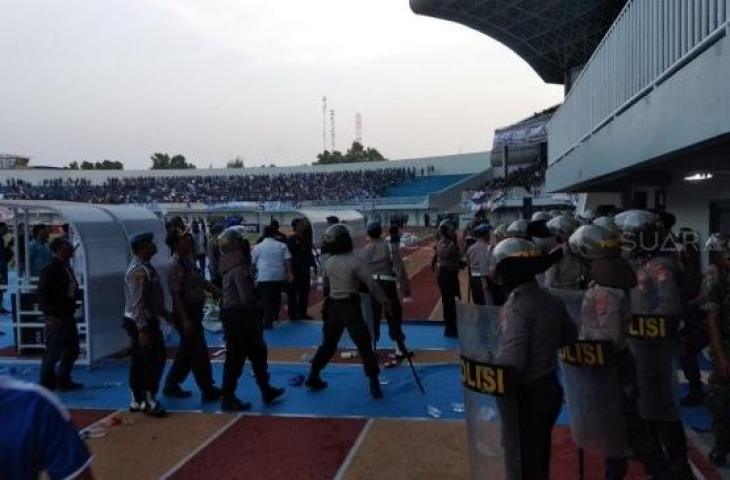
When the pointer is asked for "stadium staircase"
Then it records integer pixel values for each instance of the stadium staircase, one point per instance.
(422, 186)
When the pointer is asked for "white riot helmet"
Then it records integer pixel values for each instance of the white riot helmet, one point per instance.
(562, 227)
(593, 242)
(518, 229)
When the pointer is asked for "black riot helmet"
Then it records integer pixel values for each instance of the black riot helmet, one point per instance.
(337, 239)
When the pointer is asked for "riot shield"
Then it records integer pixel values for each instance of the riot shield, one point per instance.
(652, 340)
(594, 397)
(573, 300)
(489, 401)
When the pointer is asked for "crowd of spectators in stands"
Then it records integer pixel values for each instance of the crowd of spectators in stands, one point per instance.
(530, 178)
(285, 187)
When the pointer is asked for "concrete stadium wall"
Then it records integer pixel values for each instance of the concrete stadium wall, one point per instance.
(466, 163)
(689, 107)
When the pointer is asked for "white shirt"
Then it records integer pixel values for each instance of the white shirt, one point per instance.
(269, 258)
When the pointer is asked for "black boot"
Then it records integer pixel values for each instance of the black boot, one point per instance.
(694, 397)
(212, 394)
(233, 404)
(314, 382)
(375, 389)
(269, 394)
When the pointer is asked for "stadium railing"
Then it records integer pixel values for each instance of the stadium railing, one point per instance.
(649, 42)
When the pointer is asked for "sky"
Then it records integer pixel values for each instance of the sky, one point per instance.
(89, 80)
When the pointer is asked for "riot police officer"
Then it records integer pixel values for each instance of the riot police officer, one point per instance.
(385, 265)
(345, 272)
(605, 316)
(143, 310)
(448, 263)
(188, 288)
(568, 273)
(242, 322)
(518, 229)
(531, 313)
(655, 307)
(478, 259)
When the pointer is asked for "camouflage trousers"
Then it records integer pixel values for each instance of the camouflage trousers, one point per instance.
(718, 403)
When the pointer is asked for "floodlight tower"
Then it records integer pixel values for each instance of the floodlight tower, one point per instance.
(324, 123)
(358, 128)
(332, 128)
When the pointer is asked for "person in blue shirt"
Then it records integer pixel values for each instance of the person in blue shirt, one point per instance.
(37, 435)
(40, 253)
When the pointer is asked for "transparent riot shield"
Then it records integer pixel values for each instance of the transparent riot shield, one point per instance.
(594, 398)
(573, 300)
(652, 340)
(489, 401)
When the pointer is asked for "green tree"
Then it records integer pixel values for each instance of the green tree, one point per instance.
(237, 162)
(163, 161)
(73, 165)
(87, 166)
(356, 153)
(160, 161)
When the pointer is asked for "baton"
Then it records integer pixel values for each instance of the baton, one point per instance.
(415, 375)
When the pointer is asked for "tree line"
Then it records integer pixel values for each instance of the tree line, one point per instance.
(163, 161)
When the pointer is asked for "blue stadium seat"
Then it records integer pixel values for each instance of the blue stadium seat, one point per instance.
(422, 186)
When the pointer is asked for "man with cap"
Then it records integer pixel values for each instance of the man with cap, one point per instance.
(144, 308)
(531, 313)
(344, 272)
(478, 258)
(302, 261)
(188, 288)
(57, 293)
(386, 267)
(448, 263)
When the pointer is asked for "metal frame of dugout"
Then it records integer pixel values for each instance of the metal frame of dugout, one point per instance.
(100, 234)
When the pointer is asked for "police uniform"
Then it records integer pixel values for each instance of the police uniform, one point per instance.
(531, 313)
(143, 308)
(345, 272)
(718, 394)
(302, 260)
(187, 282)
(386, 267)
(478, 257)
(657, 295)
(242, 324)
(448, 262)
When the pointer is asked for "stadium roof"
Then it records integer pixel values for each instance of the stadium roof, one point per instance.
(553, 36)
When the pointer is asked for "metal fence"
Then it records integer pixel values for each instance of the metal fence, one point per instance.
(649, 41)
